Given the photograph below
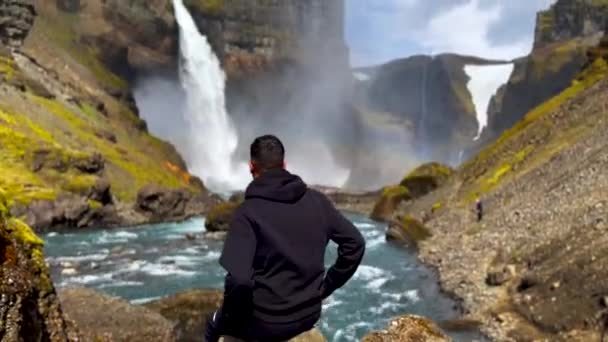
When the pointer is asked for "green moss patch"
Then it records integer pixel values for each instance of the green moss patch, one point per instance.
(426, 178)
(414, 229)
(388, 203)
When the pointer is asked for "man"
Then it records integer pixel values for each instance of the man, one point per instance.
(479, 209)
(274, 254)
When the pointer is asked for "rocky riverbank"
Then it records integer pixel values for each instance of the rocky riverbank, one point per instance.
(534, 268)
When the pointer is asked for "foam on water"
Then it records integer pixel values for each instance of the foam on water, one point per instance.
(114, 237)
(97, 256)
(144, 300)
(368, 273)
(149, 266)
(161, 270)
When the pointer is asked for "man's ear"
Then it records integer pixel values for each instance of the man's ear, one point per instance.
(284, 166)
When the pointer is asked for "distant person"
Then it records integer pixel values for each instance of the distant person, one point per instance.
(479, 209)
(274, 254)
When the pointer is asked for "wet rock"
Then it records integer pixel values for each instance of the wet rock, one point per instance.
(103, 318)
(68, 211)
(219, 218)
(188, 311)
(409, 329)
(190, 237)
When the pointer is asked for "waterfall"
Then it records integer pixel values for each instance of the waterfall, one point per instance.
(211, 134)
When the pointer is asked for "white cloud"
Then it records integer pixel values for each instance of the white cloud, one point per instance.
(465, 30)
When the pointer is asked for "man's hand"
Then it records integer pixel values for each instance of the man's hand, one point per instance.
(213, 330)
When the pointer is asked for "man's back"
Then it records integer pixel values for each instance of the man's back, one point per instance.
(277, 245)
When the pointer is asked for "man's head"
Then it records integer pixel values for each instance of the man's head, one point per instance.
(267, 153)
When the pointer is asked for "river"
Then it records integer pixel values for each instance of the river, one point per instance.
(146, 263)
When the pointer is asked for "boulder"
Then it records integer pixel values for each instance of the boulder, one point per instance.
(426, 178)
(104, 318)
(66, 212)
(101, 192)
(219, 218)
(16, 20)
(409, 329)
(188, 311)
(391, 197)
(92, 164)
(408, 230)
(161, 203)
(29, 307)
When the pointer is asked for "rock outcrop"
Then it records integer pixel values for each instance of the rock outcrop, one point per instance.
(161, 204)
(16, 20)
(29, 307)
(409, 329)
(219, 217)
(188, 311)
(419, 182)
(104, 318)
(429, 92)
(564, 35)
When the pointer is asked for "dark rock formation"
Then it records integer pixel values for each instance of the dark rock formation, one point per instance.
(188, 311)
(163, 204)
(432, 94)
(68, 211)
(103, 318)
(219, 218)
(564, 35)
(409, 329)
(568, 19)
(16, 20)
(29, 307)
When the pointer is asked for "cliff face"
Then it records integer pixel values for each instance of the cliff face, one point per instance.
(74, 151)
(564, 34)
(141, 36)
(431, 93)
(568, 19)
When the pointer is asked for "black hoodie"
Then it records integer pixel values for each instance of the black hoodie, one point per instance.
(274, 253)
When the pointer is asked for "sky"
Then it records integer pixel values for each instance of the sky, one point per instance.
(381, 30)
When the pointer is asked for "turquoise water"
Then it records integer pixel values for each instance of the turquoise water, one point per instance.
(143, 264)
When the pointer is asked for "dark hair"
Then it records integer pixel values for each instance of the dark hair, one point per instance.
(268, 152)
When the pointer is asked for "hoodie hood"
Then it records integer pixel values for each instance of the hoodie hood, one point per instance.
(277, 186)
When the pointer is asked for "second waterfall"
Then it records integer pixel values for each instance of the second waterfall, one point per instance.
(210, 129)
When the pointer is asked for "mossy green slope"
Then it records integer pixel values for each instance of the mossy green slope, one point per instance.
(78, 117)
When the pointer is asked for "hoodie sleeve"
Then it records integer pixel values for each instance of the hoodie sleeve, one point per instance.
(351, 248)
(237, 259)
